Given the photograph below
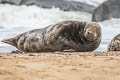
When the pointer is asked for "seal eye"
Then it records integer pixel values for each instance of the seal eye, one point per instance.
(88, 33)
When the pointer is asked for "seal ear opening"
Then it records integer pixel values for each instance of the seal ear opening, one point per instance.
(11, 41)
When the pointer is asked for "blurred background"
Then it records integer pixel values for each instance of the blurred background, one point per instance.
(18, 16)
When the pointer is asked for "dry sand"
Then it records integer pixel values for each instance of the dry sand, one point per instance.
(67, 66)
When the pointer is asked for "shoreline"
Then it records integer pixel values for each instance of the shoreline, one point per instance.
(95, 53)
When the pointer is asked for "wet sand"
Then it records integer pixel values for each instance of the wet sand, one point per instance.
(60, 66)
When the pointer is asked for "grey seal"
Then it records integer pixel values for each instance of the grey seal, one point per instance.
(114, 45)
(76, 35)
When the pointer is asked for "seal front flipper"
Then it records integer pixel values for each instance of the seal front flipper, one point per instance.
(17, 52)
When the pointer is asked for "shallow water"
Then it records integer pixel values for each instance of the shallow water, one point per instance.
(91, 2)
(18, 19)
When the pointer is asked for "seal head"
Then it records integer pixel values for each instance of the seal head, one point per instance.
(91, 31)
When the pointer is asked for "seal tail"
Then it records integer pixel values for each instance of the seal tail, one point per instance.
(11, 41)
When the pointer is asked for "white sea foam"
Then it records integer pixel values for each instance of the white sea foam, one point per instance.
(35, 17)
(18, 19)
(110, 28)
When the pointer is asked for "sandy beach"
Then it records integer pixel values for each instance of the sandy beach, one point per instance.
(60, 66)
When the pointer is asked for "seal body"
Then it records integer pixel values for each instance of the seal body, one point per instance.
(114, 45)
(80, 36)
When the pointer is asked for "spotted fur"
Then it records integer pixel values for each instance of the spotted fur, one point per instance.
(61, 36)
(114, 45)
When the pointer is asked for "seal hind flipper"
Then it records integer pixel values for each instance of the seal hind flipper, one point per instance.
(11, 41)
